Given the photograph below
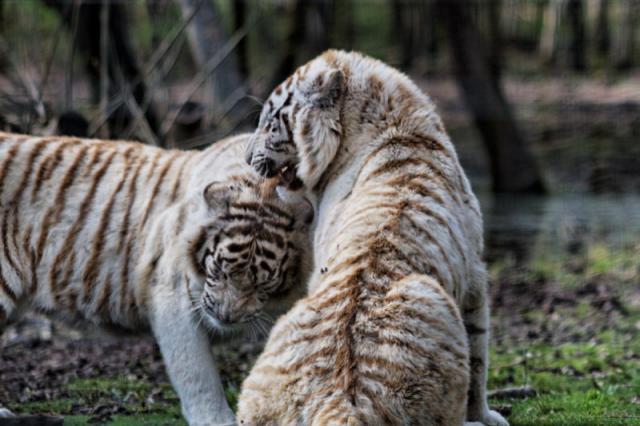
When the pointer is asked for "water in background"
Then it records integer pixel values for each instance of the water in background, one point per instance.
(523, 226)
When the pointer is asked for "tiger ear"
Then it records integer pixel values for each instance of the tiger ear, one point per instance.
(300, 205)
(304, 213)
(327, 89)
(219, 195)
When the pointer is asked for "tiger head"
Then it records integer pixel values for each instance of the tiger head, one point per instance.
(299, 131)
(251, 251)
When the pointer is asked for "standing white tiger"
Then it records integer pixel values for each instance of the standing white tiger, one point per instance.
(399, 234)
(134, 237)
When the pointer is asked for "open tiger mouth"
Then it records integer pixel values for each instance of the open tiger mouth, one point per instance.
(288, 177)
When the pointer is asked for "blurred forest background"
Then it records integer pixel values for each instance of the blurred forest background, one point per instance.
(540, 81)
(541, 98)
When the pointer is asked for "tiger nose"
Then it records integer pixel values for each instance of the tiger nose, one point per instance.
(225, 317)
(266, 167)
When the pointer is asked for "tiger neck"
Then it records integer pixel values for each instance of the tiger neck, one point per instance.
(369, 120)
(371, 113)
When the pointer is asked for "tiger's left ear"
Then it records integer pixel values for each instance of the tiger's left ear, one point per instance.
(219, 195)
(300, 205)
(327, 88)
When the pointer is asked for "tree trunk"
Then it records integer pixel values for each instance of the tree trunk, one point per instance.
(321, 25)
(625, 45)
(344, 24)
(577, 49)
(123, 70)
(207, 37)
(154, 13)
(495, 37)
(431, 36)
(242, 52)
(403, 29)
(550, 37)
(540, 15)
(601, 36)
(294, 39)
(512, 19)
(3, 47)
(513, 167)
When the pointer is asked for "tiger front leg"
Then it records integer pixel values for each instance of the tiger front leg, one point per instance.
(189, 362)
(9, 312)
(476, 321)
(5, 412)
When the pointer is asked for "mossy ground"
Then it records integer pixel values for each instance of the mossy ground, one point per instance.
(138, 402)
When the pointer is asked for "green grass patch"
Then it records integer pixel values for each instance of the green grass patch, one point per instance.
(139, 420)
(120, 386)
(55, 407)
(577, 384)
(143, 402)
(131, 394)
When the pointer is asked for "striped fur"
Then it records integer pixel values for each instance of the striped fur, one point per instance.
(133, 237)
(379, 340)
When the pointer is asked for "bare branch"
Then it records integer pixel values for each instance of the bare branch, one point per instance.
(521, 392)
(208, 69)
(68, 83)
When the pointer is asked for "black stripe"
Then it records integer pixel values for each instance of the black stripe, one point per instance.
(6, 289)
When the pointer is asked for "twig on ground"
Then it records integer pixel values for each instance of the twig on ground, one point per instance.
(520, 392)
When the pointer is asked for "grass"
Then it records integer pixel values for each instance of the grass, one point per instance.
(135, 420)
(137, 402)
(596, 383)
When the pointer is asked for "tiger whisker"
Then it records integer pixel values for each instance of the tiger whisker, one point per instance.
(256, 100)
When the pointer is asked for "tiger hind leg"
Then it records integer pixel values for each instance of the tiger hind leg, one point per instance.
(476, 321)
(5, 412)
(8, 308)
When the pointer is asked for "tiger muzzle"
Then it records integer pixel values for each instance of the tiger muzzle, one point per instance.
(265, 167)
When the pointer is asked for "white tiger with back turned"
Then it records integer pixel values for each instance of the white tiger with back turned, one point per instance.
(134, 237)
(397, 249)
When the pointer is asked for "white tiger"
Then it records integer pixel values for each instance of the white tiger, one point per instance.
(399, 235)
(133, 237)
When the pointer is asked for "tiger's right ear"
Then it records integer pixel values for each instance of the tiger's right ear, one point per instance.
(219, 195)
(302, 207)
(326, 89)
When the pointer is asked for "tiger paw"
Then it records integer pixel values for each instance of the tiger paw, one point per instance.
(493, 418)
(5, 412)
